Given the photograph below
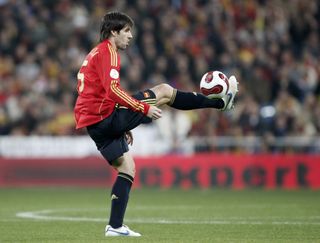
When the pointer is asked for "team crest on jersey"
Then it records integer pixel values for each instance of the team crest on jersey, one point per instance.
(114, 73)
(146, 94)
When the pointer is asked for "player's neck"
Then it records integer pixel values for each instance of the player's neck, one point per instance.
(113, 44)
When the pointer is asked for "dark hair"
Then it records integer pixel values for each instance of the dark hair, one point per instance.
(113, 21)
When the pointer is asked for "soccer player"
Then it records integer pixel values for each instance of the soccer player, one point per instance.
(109, 113)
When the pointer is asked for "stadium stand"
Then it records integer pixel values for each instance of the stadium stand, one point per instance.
(271, 46)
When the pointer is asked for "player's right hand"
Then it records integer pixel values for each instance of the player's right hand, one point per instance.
(154, 112)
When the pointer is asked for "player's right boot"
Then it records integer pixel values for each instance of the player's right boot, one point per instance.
(121, 231)
(229, 97)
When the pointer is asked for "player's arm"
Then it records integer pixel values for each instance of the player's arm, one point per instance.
(106, 64)
(123, 98)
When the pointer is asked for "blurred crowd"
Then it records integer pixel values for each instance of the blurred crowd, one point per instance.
(271, 46)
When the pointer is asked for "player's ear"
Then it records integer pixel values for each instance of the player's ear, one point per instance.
(113, 32)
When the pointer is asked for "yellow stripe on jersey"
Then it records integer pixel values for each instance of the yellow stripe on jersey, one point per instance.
(136, 105)
(113, 56)
(128, 99)
(117, 92)
(112, 62)
(101, 107)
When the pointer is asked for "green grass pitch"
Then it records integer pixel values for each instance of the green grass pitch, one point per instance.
(80, 215)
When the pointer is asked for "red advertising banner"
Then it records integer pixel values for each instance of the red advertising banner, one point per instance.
(212, 170)
(230, 171)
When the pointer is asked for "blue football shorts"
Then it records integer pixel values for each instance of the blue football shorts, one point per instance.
(109, 134)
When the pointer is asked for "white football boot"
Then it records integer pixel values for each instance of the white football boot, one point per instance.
(229, 97)
(121, 231)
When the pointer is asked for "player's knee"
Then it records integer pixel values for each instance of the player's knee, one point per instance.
(125, 166)
(129, 170)
(132, 170)
(117, 162)
(167, 90)
(163, 90)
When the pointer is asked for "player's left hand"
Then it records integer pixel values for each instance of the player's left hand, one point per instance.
(129, 137)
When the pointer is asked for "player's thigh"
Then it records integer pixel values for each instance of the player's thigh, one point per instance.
(110, 145)
(125, 164)
(125, 119)
(164, 93)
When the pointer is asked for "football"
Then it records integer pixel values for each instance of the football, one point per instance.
(214, 84)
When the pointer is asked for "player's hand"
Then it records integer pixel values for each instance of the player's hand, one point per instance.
(154, 113)
(129, 137)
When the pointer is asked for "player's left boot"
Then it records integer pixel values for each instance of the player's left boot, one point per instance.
(121, 231)
(229, 97)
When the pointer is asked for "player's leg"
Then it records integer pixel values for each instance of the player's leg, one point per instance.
(120, 195)
(121, 188)
(166, 94)
(183, 100)
(114, 149)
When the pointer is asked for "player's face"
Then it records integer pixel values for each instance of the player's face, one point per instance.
(123, 38)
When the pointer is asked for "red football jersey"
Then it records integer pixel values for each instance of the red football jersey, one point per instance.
(99, 87)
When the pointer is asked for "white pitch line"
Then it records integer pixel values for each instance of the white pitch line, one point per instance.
(43, 215)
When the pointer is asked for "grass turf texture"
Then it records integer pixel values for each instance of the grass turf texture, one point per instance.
(79, 215)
